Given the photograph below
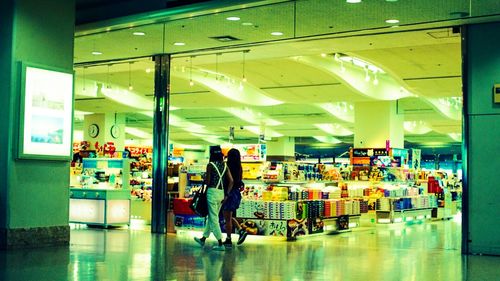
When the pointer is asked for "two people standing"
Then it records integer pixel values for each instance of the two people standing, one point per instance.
(220, 180)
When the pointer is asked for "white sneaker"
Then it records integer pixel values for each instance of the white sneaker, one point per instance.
(219, 248)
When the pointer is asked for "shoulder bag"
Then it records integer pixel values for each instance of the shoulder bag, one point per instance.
(199, 205)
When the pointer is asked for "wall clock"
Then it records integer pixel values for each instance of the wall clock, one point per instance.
(93, 130)
(115, 131)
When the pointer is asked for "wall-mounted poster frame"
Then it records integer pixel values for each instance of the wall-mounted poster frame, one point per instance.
(46, 110)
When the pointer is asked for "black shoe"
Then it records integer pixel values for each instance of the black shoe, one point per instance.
(243, 236)
(228, 244)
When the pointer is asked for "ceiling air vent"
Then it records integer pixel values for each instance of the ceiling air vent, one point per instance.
(225, 38)
(448, 33)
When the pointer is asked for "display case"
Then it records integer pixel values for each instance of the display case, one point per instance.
(102, 207)
(103, 196)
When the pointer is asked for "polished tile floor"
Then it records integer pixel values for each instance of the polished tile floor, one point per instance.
(425, 251)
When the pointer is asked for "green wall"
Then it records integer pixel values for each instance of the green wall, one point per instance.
(482, 45)
(34, 193)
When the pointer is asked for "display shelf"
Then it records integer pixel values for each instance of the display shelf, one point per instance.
(101, 207)
(406, 215)
(105, 173)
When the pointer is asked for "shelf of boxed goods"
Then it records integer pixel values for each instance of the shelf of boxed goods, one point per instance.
(404, 204)
(291, 210)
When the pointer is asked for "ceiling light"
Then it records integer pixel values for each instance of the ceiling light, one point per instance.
(392, 21)
(84, 79)
(191, 83)
(243, 76)
(148, 70)
(251, 116)
(247, 24)
(276, 33)
(327, 139)
(367, 76)
(179, 44)
(323, 55)
(139, 33)
(233, 18)
(391, 0)
(108, 86)
(96, 53)
(138, 133)
(353, 1)
(334, 129)
(130, 87)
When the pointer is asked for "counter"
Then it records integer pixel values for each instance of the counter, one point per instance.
(103, 207)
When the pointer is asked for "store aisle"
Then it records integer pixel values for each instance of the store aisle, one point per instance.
(427, 251)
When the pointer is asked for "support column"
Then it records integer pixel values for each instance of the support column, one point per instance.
(160, 143)
(377, 122)
(281, 149)
(481, 135)
(34, 205)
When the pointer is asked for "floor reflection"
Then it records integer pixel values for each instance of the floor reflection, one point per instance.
(425, 251)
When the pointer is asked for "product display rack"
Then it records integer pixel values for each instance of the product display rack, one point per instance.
(104, 196)
(405, 209)
(398, 216)
(291, 219)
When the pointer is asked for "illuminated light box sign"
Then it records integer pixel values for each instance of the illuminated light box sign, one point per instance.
(248, 152)
(46, 114)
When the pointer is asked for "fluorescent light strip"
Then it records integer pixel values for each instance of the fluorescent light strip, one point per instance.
(228, 87)
(248, 115)
(267, 132)
(455, 136)
(359, 62)
(126, 97)
(334, 129)
(342, 110)
(138, 133)
(417, 127)
(354, 76)
(208, 138)
(327, 139)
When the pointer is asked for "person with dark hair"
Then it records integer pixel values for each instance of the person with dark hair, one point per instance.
(234, 197)
(215, 175)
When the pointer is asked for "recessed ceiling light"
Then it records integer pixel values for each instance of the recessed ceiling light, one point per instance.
(179, 43)
(139, 33)
(391, 0)
(247, 23)
(233, 18)
(96, 53)
(276, 33)
(148, 70)
(392, 21)
(353, 1)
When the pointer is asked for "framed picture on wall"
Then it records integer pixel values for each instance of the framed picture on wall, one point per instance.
(46, 125)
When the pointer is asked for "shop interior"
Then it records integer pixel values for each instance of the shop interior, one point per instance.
(299, 110)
